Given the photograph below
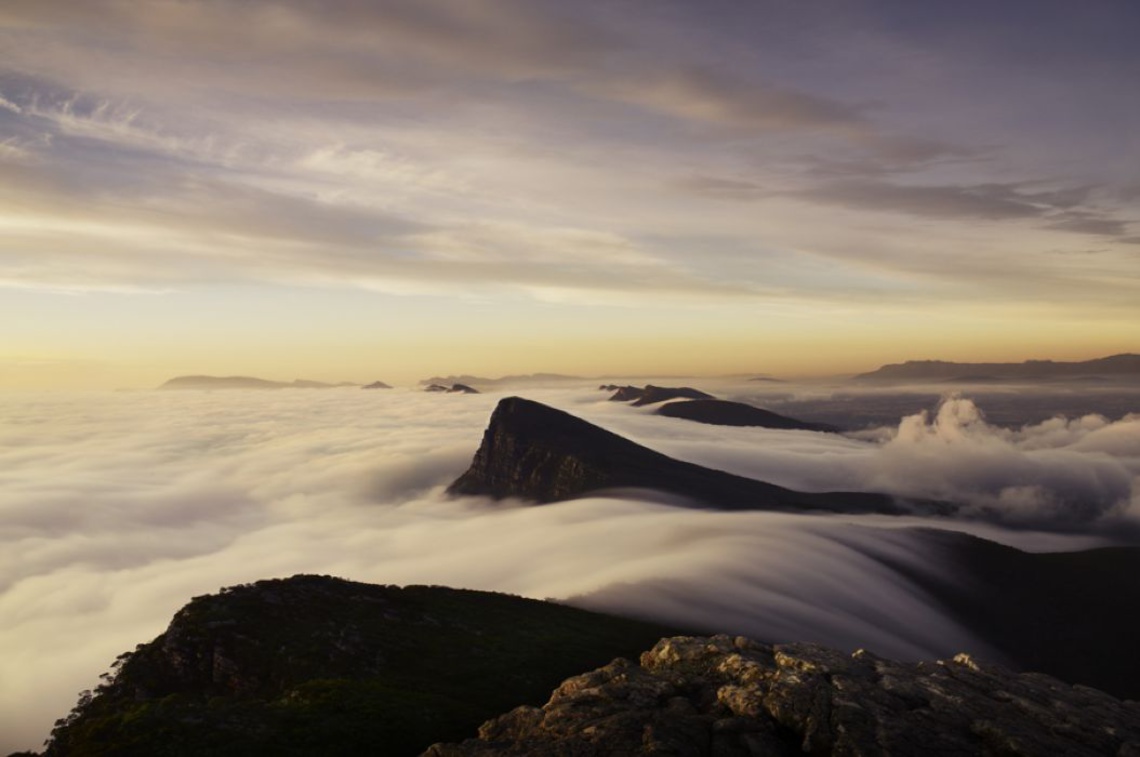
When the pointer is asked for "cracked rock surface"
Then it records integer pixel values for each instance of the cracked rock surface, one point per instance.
(730, 697)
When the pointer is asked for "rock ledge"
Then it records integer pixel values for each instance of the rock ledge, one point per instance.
(728, 696)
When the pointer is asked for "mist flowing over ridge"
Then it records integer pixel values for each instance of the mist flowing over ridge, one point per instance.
(260, 669)
(227, 225)
(533, 451)
(117, 508)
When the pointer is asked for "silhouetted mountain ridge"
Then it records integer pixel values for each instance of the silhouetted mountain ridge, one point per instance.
(928, 370)
(725, 413)
(525, 378)
(453, 389)
(650, 394)
(532, 451)
(245, 382)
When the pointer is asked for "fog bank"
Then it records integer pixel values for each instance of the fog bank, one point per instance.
(115, 509)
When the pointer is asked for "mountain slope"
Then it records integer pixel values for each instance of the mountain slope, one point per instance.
(536, 452)
(1073, 615)
(651, 395)
(725, 413)
(314, 665)
(318, 665)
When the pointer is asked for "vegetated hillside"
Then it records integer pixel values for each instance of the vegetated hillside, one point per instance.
(315, 665)
(1073, 615)
(322, 666)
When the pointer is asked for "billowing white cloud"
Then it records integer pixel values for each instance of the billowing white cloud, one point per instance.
(115, 509)
(1057, 470)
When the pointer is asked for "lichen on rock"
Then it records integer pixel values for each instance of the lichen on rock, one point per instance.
(725, 696)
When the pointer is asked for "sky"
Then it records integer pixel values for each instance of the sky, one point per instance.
(117, 507)
(391, 190)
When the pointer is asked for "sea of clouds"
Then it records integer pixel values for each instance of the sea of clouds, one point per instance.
(117, 508)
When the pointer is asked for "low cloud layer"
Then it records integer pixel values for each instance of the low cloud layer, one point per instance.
(1061, 473)
(1057, 472)
(117, 508)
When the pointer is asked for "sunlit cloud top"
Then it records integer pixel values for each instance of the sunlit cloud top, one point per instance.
(566, 162)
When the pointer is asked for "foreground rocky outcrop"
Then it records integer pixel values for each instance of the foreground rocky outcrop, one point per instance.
(313, 665)
(725, 413)
(732, 697)
(536, 452)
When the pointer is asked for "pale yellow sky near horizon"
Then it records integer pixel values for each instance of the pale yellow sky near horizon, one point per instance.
(395, 190)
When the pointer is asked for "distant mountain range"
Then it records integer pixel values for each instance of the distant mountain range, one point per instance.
(453, 389)
(941, 370)
(651, 395)
(528, 378)
(249, 382)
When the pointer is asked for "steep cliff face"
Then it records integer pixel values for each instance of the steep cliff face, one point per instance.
(536, 452)
(735, 697)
